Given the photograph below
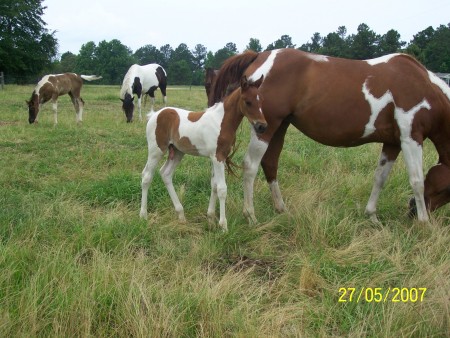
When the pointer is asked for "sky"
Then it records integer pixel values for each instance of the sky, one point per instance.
(216, 23)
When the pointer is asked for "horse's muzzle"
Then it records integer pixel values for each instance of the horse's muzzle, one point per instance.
(260, 127)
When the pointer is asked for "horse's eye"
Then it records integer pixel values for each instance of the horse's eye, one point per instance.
(248, 103)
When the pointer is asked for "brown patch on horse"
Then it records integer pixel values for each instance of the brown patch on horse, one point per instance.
(167, 133)
(195, 116)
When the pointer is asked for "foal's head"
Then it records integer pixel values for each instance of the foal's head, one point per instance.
(128, 106)
(250, 104)
(33, 107)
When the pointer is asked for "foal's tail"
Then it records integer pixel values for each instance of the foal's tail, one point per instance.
(230, 72)
(91, 77)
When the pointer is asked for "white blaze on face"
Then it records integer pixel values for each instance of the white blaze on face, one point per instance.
(265, 68)
(376, 106)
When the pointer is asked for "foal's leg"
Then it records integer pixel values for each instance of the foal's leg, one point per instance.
(78, 104)
(255, 152)
(139, 107)
(55, 110)
(166, 172)
(269, 163)
(388, 156)
(221, 185)
(412, 152)
(211, 214)
(154, 156)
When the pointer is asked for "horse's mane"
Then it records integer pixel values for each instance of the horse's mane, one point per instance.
(230, 72)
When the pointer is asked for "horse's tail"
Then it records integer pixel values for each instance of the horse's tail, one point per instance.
(91, 77)
(230, 72)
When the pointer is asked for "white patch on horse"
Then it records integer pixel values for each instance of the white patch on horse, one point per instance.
(376, 106)
(318, 58)
(41, 83)
(405, 119)
(204, 133)
(440, 83)
(265, 68)
(382, 59)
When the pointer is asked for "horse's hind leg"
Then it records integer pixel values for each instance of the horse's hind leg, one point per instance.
(166, 172)
(78, 104)
(211, 214)
(154, 157)
(387, 159)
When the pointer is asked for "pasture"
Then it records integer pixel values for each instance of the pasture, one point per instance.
(76, 259)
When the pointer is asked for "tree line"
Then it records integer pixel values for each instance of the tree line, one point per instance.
(28, 50)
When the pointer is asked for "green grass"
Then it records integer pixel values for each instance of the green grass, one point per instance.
(76, 260)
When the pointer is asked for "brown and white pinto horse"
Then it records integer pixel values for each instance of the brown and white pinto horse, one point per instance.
(50, 87)
(392, 100)
(142, 80)
(211, 134)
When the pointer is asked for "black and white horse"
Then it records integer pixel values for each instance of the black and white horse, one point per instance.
(142, 80)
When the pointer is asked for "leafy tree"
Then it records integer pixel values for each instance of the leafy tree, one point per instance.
(86, 60)
(437, 51)
(113, 60)
(68, 62)
(334, 45)
(314, 46)
(221, 55)
(166, 51)
(149, 54)
(284, 42)
(26, 46)
(179, 73)
(364, 43)
(254, 45)
(199, 56)
(390, 43)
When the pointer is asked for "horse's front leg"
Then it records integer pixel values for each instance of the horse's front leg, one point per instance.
(219, 175)
(269, 163)
(252, 159)
(387, 159)
(139, 107)
(55, 111)
(413, 152)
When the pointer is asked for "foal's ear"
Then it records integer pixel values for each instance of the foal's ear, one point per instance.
(244, 82)
(122, 100)
(259, 82)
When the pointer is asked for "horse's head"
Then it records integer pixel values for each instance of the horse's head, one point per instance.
(251, 102)
(33, 107)
(128, 106)
(437, 189)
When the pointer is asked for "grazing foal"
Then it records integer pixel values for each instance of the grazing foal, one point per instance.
(210, 134)
(50, 87)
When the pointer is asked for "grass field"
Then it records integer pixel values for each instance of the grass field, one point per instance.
(76, 260)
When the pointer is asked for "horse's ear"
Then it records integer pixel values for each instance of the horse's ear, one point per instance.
(259, 82)
(122, 100)
(244, 82)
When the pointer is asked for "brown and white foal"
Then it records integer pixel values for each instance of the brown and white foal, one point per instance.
(50, 87)
(210, 134)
